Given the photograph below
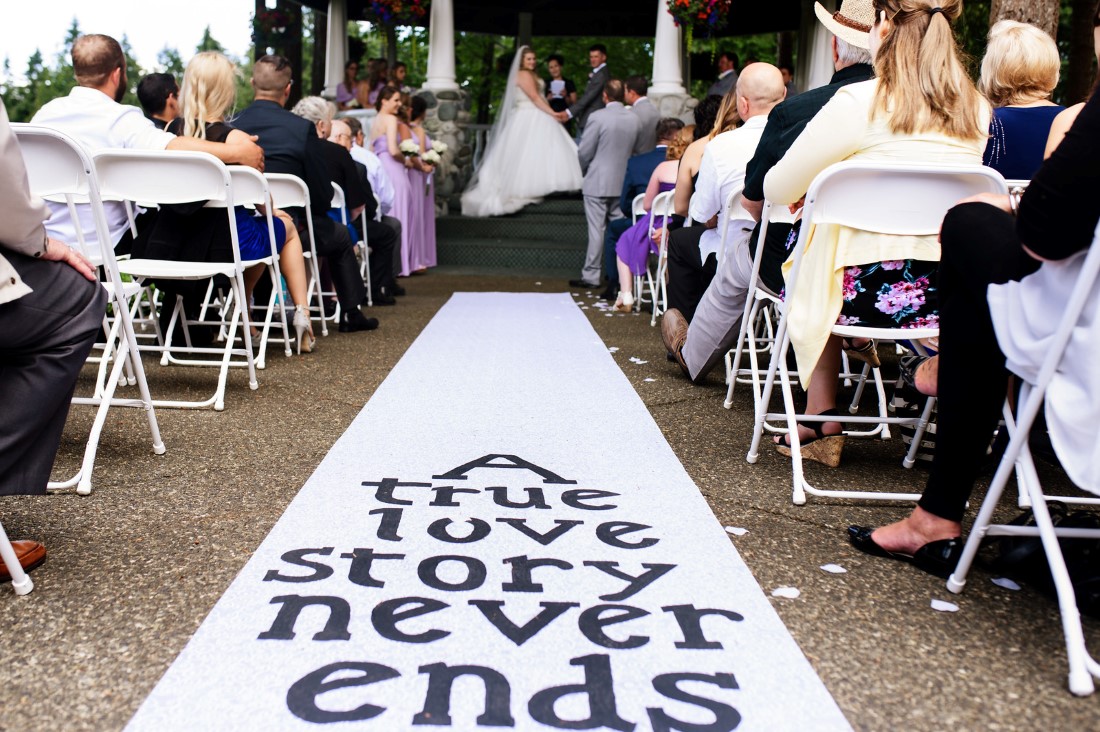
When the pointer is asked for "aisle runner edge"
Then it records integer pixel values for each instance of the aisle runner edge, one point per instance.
(502, 539)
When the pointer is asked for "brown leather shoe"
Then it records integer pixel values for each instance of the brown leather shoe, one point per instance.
(674, 333)
(30, 554)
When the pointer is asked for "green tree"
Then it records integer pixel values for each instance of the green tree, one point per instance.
(208, 43)
(170, 62)
(134, 72)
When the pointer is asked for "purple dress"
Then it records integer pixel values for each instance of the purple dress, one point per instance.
(422, 244)
(635, 245)
(402, 209)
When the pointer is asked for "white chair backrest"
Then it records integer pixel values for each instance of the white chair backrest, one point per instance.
(143, 175)
(59, 168)
(287, 191)
(337, 197)
(637, 207)
(662, 204)
(249, 186)
(905, 200)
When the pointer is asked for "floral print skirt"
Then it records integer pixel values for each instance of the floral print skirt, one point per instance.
(892, 294)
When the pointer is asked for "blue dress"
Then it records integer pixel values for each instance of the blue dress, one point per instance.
(1018, 139)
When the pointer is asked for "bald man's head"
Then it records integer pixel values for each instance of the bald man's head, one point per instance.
(759, 88)
(341, 133)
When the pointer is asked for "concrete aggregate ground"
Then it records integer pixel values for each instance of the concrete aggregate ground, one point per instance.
(134, 568)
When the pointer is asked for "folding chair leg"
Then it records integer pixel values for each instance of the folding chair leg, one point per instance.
(20, 580)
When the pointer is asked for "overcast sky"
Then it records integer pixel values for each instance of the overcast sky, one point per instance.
(150, 25)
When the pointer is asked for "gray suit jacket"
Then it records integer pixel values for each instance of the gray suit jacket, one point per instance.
(592, 98)
(606, 146)
(21, 227)
(723, 85)
(647, 115)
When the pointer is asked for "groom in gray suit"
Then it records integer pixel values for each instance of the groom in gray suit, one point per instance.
(592, 98)
(604, 151)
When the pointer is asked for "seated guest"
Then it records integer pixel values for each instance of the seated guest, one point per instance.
(1019, 72)
(633, 248)
(159, 97)
(714, 328)
(984, 245)
(209, 91)
(51, 309)
(690, 268)
(915, 111)
(358, 196)
(380, 237)
(292, 146)
(92, 115)
(639, 169)
(345, 90)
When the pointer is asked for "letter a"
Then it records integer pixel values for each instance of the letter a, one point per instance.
(514, 461)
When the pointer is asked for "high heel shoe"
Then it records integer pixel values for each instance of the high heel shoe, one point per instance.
(867, 353)
(302, 325)
(820, 448)
(624, 303)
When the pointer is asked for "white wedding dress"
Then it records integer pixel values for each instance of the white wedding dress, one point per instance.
(530, 155)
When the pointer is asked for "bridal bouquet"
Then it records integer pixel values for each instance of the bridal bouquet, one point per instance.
(409, 148)
(439, 146)
(432, 157)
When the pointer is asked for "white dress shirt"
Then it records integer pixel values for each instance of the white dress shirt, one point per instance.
(376, 175)
(97, 122)
(722, 171)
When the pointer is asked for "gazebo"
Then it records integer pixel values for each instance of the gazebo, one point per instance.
(448, 118)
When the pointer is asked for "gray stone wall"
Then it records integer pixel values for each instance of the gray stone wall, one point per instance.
(446, 120)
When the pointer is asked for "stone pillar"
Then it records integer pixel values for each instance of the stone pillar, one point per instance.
(336, 46)
(667, 89)
(441, 47)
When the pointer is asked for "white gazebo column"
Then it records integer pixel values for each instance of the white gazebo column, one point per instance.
(441, 47)
(336, 46)
(667, 89)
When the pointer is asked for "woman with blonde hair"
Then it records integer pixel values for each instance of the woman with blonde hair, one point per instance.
(1019, 72)
(208, 92)
(921, 107)
(634, 246)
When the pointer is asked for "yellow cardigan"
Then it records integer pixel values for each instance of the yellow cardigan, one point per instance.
(844, 130)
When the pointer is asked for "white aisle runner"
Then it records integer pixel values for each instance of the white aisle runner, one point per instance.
(501, 539)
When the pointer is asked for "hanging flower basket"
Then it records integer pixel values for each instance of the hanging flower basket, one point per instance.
(398, 12)
(268, 27)
(702, 17)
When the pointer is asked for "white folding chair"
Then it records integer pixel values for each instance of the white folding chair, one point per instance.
(173, 177)
(339, 203)
(907, 200)
(663, 208)
(290, 191)
(1083, 668)
(637, 208)
(59, 168)
(250, 189)
(21, 582)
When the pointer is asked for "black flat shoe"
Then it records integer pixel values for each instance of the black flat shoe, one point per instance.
(357, 322)
(936, 557)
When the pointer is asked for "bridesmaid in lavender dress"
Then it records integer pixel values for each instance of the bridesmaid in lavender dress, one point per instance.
(384, 138)
(423, 191)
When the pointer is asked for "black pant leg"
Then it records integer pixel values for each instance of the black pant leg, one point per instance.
(979, 247)
(684, 269)
(381, 239)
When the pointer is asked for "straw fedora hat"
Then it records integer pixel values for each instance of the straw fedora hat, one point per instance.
(851, 23)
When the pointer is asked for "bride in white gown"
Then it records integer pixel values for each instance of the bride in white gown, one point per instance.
(529, 154)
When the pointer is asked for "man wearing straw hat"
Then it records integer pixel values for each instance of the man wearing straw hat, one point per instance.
(717, 321)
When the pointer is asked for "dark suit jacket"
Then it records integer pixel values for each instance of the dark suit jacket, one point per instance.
(639, 169)
(785, 123)
(592, 98)
(342, 172)
(291, 146)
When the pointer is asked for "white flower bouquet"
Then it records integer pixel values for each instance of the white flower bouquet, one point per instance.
(409, 148)
(439, 146)
(431, 157)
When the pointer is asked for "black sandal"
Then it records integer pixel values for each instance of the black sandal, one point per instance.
(821, 448)
(867, 353)
(909, 365)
